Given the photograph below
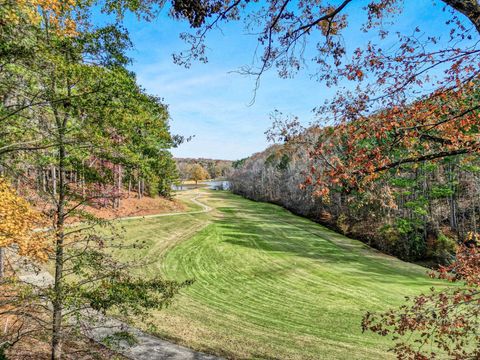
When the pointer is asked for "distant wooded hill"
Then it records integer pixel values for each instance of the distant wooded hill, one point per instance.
(188, 168)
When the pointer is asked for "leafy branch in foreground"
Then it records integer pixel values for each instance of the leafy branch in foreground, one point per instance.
(443, 323)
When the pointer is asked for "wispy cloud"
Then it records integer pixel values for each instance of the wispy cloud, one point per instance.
(210, 102)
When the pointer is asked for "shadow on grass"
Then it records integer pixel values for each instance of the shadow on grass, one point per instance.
(270, 228)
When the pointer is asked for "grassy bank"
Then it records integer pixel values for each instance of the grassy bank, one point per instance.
(269, 284)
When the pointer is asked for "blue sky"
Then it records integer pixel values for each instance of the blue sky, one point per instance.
(211, 101)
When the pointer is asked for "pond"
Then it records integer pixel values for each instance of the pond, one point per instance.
(211, 184)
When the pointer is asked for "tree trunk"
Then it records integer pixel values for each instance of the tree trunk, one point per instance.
(82, 180)
(57, 330)
(453, 199)
(44, 181)
(54, 181)
(139, 188)
(119, 186)
(2, 262)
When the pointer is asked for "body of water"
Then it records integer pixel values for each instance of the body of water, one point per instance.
(212, 184)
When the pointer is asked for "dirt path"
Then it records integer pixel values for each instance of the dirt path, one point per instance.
(205, 208)
(147, 347)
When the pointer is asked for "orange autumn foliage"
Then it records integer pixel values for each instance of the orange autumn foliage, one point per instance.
(58, 13)
(355, 153)
(17, 223)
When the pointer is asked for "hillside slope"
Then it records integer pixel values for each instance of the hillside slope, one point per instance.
(270, 284)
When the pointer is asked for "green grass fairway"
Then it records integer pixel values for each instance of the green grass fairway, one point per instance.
(269, 284)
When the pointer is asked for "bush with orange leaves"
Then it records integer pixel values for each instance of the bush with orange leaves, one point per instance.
(17, 223)
(20, 309)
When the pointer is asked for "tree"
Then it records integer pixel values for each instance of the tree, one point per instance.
(70, 110)
(214, 167)
(387, 81)
(415, 212)
(184, 170)
(198, 173)
(384, 79)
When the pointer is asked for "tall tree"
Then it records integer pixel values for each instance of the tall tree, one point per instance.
(71, 110)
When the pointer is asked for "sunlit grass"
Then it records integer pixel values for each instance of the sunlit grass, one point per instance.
(269, 284)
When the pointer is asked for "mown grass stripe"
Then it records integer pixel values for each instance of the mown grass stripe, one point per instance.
(272, 285)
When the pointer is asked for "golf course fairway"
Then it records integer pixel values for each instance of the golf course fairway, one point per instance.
(268, 284)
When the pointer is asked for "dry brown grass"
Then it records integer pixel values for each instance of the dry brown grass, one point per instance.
(82, 349)
(132, 206)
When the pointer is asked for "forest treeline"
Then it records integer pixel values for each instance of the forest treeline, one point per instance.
(418, 211)
(75, 96)
(202, 168)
